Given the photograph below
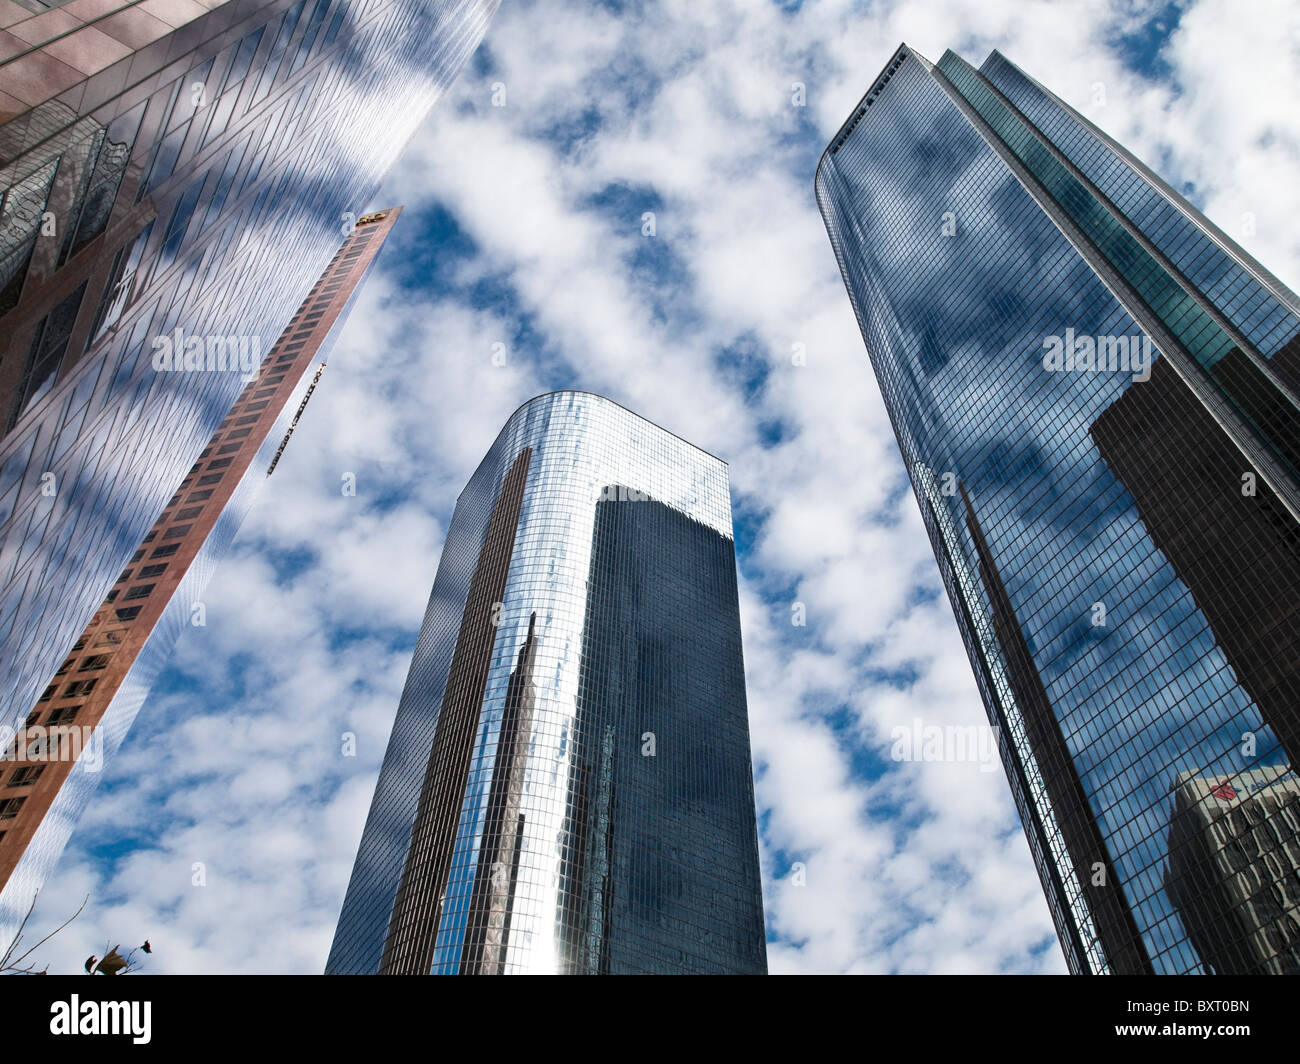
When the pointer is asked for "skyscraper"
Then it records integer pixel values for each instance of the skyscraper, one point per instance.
(167, 164)
(1234, 869)
(1096, 393)
(568, 788)
(52, 764)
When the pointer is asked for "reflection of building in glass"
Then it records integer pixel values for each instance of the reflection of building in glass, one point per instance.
(497, 875)
(103, 681)
(568, 787)
(1234, 869)
(1128, 608)
(1232, 542)
(1088, 865)
(186, 167)
(654, 843)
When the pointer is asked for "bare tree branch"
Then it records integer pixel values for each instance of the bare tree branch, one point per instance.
(6, 965)
(9, 952)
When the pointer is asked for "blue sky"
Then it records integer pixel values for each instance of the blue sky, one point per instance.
(525, 228)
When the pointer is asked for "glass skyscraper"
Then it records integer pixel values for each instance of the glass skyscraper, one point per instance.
(568, 786)
(167, 165)
(49, 770)
(1095, 392)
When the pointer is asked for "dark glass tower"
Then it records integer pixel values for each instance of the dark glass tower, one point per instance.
(1097, 397)
(167, 165)
(50, 770)
(568, 786)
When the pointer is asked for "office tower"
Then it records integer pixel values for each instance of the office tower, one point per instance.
(1234, 869)
(1094, 390)
(52, 764)
(167, 164)
(567, 788)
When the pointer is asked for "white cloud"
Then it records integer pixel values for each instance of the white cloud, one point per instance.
(910, 866)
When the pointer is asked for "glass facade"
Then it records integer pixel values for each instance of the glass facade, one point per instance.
(50, 769)
(568, 786)
(191, 167)
(1097, 397)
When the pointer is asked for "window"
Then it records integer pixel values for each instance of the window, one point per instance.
(332, 32)
(110, 164)
(153, 570)
(49, 342)
(247, 49)
(25, 776)
(9, 807)
(138, 592)
(224, 182)
(164, 161)
(49, 693)
(309, 35)
(179, 222)
(211, 478)
(63, 715)
(166, 551)
(177, 531)
(98, 661)
(22, 236)
(128, 614)
(82, 687)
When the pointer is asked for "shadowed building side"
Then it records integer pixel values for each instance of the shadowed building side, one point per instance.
(661, 867)
(1223, 529)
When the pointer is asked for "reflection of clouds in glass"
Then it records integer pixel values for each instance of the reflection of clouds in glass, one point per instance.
(116, 436)
(351, 115)
(958, 275)
(589, 580)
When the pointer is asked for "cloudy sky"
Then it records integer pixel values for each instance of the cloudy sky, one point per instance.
(525, 227)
